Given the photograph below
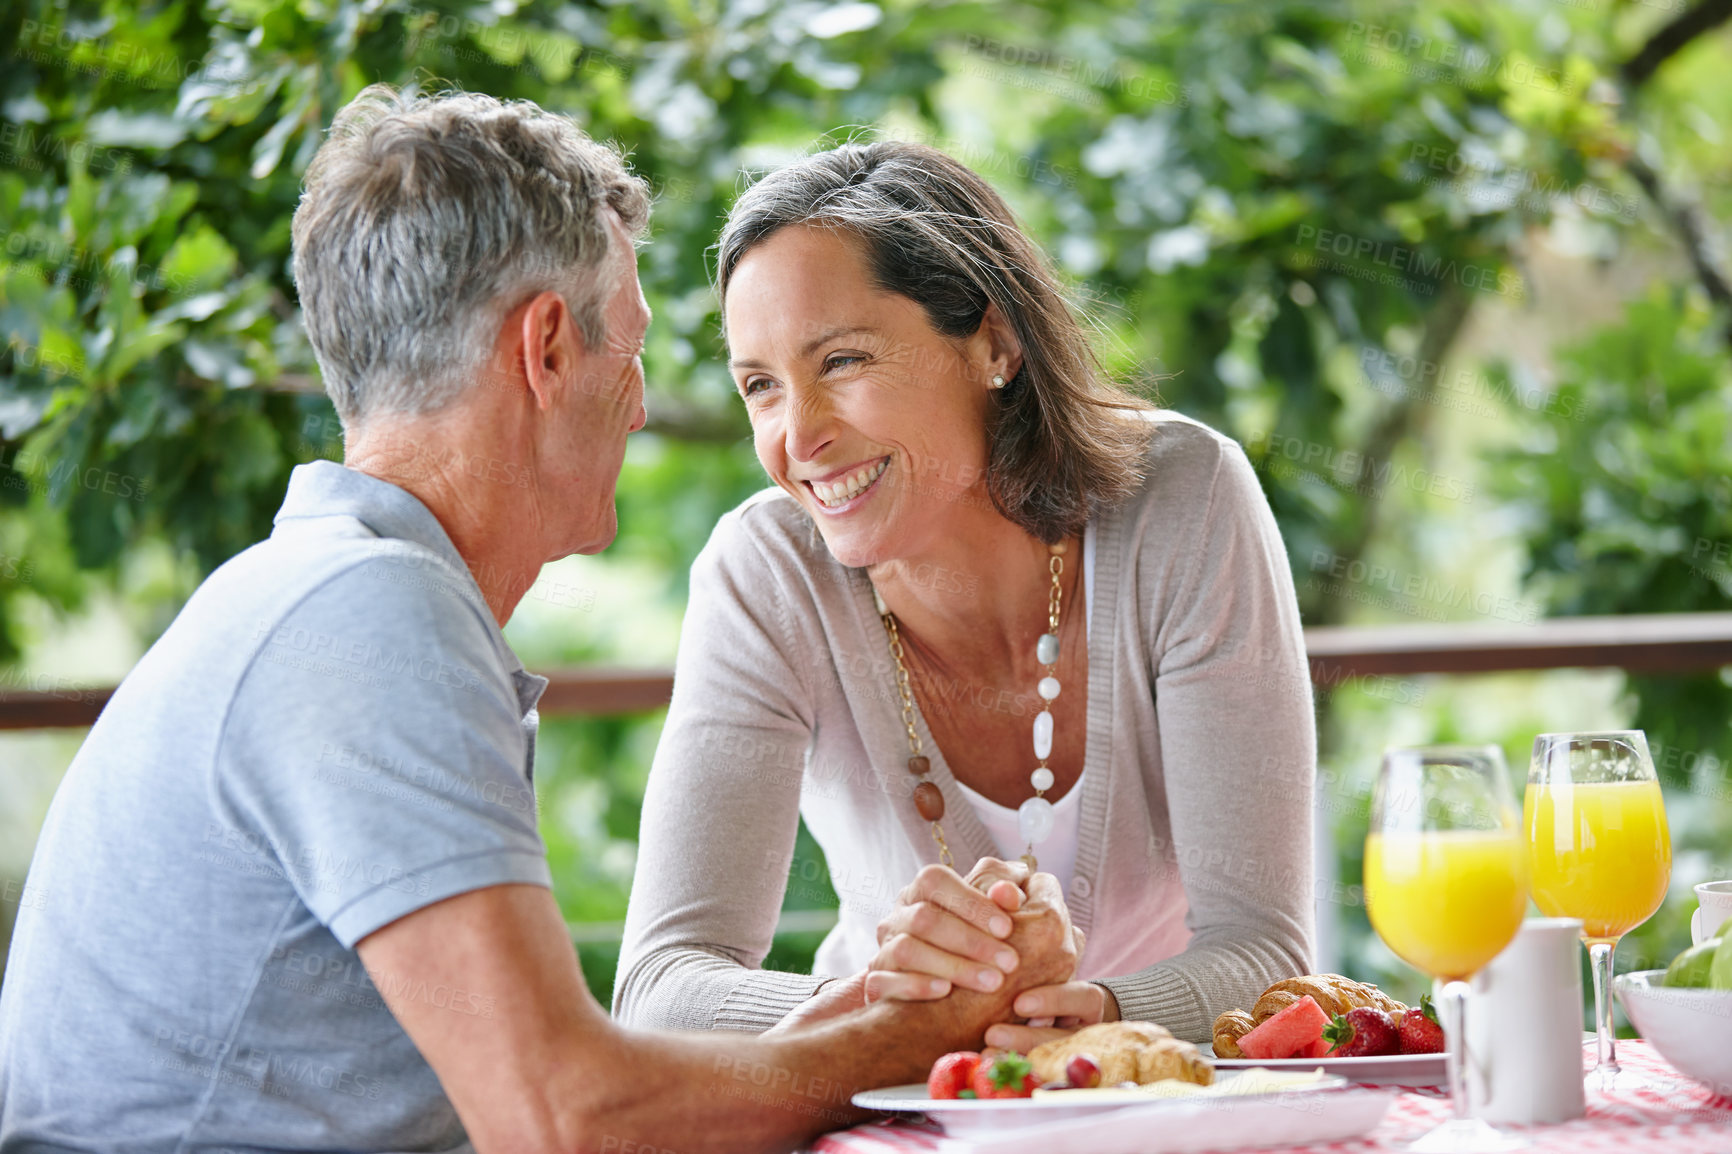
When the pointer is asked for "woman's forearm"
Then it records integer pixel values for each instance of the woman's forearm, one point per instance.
(688, 988)
(1226, 970)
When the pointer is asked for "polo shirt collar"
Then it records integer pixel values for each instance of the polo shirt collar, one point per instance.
(327, 489)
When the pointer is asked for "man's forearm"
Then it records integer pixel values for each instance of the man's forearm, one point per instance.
(741, 1093)
(616, 1091)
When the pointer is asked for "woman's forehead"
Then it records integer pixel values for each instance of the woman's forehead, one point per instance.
(804, 286)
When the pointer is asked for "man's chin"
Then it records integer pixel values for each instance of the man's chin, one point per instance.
(594, 538)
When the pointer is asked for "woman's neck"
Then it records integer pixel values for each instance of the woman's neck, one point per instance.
(978, 592)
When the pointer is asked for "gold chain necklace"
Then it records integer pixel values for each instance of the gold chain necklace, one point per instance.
(1035, 816)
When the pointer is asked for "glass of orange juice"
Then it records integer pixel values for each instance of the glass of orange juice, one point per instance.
(1446, 890)
(1598, 848)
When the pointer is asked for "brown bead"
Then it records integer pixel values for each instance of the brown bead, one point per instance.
(929, 801)
(919, 766)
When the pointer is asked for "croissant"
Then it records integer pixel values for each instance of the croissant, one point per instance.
(1139, 1052)
(1229, 1028)
(1334, 993)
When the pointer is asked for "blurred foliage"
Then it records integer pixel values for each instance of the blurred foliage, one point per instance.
(1270, 209)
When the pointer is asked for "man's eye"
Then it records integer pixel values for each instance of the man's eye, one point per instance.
(755, 385)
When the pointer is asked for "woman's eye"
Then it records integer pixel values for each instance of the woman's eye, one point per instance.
(842, 360)
(755, 385)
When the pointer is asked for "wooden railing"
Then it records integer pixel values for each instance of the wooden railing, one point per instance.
(1653, 643)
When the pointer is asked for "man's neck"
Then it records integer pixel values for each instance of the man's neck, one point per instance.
(497, 533)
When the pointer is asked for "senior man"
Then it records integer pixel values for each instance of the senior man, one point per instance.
(291, 895)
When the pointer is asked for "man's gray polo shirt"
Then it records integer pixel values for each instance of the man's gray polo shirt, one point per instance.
(331, 735)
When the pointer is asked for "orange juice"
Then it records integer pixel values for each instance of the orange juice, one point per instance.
(1598, 851)
(1446, 901)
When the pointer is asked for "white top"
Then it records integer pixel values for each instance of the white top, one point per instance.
(1057, 854)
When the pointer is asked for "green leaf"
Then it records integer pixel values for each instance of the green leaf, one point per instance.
(199, 261)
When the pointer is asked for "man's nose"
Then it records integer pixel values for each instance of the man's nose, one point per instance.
(642, 417)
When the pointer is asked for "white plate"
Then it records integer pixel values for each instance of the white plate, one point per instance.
(1393, 1070)
(1325, 1112)
(1007, 1113)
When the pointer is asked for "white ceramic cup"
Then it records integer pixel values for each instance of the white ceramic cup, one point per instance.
(1714, 906)
(1524, 1028)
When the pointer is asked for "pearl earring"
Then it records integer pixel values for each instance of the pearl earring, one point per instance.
(998, 381)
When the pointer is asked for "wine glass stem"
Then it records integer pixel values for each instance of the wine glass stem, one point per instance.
(1600, 954)
(1452, 1015)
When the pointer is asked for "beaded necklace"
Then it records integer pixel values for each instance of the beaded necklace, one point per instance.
(1035, 816)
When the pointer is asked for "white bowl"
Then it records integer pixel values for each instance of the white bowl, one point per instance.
(1692, 1029)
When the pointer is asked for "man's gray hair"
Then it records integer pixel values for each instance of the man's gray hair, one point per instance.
(425, 219)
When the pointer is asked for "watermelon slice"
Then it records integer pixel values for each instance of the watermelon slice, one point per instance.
(1290, 1034)
(1318, 1049)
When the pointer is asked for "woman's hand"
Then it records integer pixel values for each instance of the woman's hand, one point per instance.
(1053, 1012)
(948, 931)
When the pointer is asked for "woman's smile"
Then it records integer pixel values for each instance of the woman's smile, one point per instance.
(847, 491)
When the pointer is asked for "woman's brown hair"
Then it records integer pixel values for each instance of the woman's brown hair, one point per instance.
(1064, 441)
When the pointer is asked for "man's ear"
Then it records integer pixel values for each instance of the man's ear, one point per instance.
(997, 346)
(551, 347)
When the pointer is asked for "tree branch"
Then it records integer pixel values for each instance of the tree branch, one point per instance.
(1690, 222)
(1686, 218)
(1442, 324)
(1667, 42)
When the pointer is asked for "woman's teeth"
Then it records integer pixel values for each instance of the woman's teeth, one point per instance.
(834, 494)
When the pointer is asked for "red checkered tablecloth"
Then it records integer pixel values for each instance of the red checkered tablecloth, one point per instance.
(1667, 1113)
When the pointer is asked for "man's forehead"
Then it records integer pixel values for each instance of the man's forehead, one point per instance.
(628, 301)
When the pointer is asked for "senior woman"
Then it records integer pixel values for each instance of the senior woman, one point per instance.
(993, 608)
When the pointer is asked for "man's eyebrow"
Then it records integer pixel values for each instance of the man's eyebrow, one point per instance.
(809, 347)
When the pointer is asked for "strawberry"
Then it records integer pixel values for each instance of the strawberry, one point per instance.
(952, 1074)
(1420, 1032)
(1365, 1032)
(1006, 1076)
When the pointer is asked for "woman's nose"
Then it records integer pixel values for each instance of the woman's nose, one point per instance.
(810, 424)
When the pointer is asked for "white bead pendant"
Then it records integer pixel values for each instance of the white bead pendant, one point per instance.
(1041, 779)
(1048, 688)
(1034, 820)
(1043, 735)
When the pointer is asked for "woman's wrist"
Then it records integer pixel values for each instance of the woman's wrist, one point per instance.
(1110, 1003)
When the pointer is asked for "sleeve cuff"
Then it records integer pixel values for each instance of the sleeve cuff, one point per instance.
(1161, 995)
(763, 998)
(401, 896)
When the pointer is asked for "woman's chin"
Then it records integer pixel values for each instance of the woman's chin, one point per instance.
(851, 549)
(856, 546)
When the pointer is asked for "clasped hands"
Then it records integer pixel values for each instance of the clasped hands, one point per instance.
(954, 933)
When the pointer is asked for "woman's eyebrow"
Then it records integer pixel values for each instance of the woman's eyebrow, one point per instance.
(809, 347)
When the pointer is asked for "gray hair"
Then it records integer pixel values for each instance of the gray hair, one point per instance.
(426, 219)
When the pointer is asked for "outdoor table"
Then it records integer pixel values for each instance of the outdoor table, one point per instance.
(1672, 1114)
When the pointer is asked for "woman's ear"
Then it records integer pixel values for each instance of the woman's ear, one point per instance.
(998, 350)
